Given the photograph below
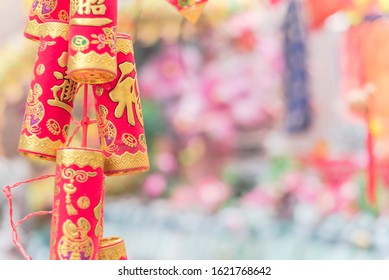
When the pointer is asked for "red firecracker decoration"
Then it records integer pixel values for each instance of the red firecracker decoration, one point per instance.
(76, 227)
(92, 46)
(50, 99)
(120, 118)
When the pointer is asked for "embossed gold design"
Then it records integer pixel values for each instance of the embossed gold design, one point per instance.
(54, 222)
(73, 176)
(129, 140)
(80, 157)
(63, 15)
(126, 164)
(44, 44)
(142, 140)
(92, 68)
(40, 70)
(63, 94)
(90, 21)
(87, 7)
(107, 131)
(97, 213)
(53, 126)
(126, 94)
(65, 131)
(41, 148)
(107, 38)
(32, 30)
(83, 202)
(124, 46)
(99, 91)
(112, 248)
(54, 30)
(35, 111)
(43, 8)
(76, 244)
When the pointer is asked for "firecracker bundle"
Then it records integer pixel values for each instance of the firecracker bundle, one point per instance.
(80, 49)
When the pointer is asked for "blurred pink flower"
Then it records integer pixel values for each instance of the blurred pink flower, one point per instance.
(155, 185)
(183, 197)
(257, 197)
(166, 162)
(211, 193)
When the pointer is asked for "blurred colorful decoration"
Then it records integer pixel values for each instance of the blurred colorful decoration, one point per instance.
(298, 116)
(318, 11)
(190, 9)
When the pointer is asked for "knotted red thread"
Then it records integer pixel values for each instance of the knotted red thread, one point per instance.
(8, 195)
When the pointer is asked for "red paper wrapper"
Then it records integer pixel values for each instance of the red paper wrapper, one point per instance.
(112, 248)
(50, 99)
(76, 226)
(42, 11)
(92, 48)
(120, 119)
(190, 9)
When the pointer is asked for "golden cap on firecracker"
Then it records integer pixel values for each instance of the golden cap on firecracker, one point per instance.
(112, 248)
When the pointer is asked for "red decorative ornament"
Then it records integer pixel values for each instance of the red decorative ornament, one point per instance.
(120, 118)
(190, 9)
(50, 99)
(92, 46)
(76, 226)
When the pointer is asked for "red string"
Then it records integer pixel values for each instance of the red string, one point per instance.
(8, 195)
(85, 121)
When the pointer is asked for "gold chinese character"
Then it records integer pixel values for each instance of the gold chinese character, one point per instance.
(64, 93)
(126, 94)
(86, 7)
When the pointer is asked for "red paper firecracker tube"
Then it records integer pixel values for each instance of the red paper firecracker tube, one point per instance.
(120, 119)
(76, 225)
(42, 11)
(112, 248)
(50, 99)
(92, 46)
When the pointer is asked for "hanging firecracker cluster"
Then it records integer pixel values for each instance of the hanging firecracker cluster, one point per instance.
(80, 48)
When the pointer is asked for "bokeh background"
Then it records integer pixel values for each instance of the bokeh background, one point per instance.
(257, 121)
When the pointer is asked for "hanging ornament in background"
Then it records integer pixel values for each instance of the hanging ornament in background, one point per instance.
(42, 11)
(76, 225)
(50, 99)
(120, 117)
(296, 83)
(190, 9)
(92, 46)
(318, 10)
